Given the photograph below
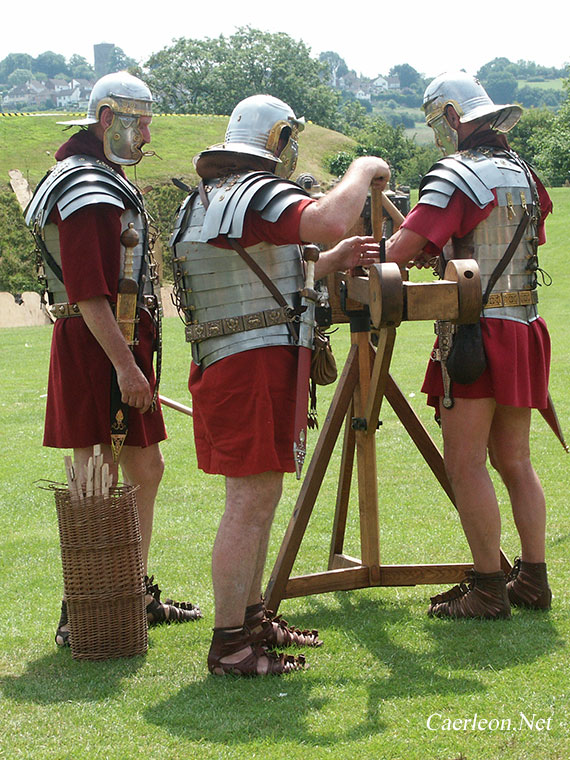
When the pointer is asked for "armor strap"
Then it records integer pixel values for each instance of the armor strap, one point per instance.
(254, 266)
(507, 256)
(269, 284)
(48, 258)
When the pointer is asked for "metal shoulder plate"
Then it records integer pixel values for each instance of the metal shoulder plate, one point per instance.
(76, 182)
(231, 199)
(475, 173)
(181, 216)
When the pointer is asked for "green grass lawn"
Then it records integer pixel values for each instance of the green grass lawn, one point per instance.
(385, 667)
(543, 84)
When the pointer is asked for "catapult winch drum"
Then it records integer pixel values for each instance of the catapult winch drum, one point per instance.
(456, 298)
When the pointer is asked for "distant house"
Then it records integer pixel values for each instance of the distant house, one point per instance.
(383, 84)
(53, 93)
(75, 95)
(380, 83)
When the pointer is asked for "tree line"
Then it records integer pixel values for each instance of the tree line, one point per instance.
(19, 68)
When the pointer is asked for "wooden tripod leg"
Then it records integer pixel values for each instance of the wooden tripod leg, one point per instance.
(366, 459)
(343, 492)
(312, 483)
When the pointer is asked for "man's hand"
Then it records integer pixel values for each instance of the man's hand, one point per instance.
(99, 318)
(135, 388)
(351, 252)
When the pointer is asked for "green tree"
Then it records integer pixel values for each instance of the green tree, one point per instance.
(182, 77)
(12, 62)
(353, 116)
(80, 68)
(552, 145)
(337, 66)
(501, 86)
(408, 76)
(19, 77)
(50, 63)
(525, 136)
(408, 161)
(381, 139)
(212, 75)
(496, 66)
(118, 61)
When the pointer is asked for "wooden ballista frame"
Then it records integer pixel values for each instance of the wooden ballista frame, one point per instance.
(384, 299)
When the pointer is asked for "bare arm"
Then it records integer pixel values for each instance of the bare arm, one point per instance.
(404, 247)
(135, 388)
(330, 218)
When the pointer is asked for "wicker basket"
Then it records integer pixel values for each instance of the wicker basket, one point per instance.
(103, 574)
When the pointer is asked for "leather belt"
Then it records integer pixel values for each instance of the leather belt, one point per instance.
(62, 310)
(230, 325)
(512, 298)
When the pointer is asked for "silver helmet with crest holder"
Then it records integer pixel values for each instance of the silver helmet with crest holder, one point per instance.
(261, 126)
(470, 101)
(129, 99)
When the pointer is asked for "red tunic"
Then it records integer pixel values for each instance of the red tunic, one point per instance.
(78, 403)
(518, 355)
(244, 404)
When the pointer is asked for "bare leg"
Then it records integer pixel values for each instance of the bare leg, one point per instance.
(465, 430)
(238, 560)
(510, 455)
(255, 592)
(144, 468)
(241, 544)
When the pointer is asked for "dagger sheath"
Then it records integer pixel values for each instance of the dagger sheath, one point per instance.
(126, 316)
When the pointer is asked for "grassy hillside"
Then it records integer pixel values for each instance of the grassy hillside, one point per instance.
(29, 142)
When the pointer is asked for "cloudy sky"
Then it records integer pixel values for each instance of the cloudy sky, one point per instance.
(430, 36)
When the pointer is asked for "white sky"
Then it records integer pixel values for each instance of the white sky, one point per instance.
(430, 36)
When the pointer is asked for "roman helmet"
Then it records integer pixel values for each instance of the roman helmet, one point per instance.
(470, 100)
(261, 126)
(128, 98)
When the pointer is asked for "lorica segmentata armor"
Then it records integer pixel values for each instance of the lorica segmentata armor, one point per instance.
(226, 307)
(482, 175)
(72, 184)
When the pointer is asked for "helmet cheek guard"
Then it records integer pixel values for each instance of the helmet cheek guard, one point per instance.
(446, 138)
(123, 140)
(283, 144)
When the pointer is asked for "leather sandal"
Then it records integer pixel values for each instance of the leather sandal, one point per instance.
(527, 585)
(484, 595)
(257, 660)
(167, 612)
(61, 636)
(276, 632)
